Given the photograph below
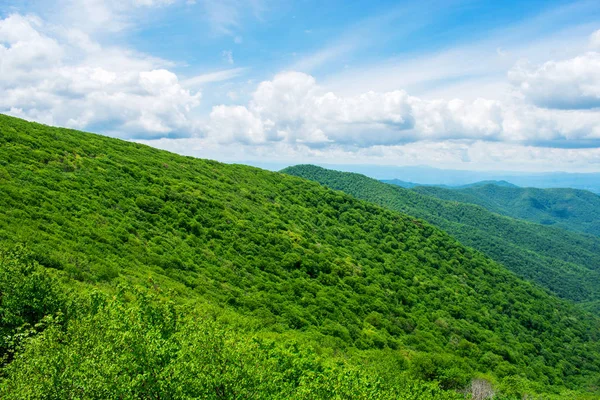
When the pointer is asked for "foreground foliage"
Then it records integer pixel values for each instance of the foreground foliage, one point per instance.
(133, 344)
(308, 263)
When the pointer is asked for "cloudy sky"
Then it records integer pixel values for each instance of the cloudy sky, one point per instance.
(499, 85)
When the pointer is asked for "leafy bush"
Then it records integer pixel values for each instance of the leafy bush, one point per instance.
(28, 294)
(133, 345)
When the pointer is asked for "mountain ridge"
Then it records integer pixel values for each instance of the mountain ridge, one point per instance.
(411, 185)
(571, 209)
(426, 175)
(542, 254)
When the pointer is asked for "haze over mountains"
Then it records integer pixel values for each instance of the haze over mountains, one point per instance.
(227, 280)
(410, 185)
(410, 176)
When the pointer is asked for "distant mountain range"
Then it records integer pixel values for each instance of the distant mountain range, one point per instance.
(423, 175)
(567, 263)
(572, 209)
(447, 177)
(410, 185)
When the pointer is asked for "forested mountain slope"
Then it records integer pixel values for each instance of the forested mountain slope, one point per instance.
(565, 262)
(572, 209)
(304, 261)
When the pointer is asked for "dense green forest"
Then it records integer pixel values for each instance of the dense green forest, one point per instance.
(567, 263)
(130, 272)
(572, 209)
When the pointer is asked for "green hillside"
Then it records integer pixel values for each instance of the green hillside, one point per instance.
(567, 263)
(572, 209)
(130, 272)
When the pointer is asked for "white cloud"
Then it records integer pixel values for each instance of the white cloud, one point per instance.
(469, 70)
(294, 109)
(457, 119)
(566, 84)
(287, 98)
(112, 88)
(236, 124)
(443, 154)
(62, 75)
(23, 48)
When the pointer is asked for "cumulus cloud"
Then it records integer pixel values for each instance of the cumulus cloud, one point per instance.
(23, 49)
(61, 75)
(236, 124)
(113, 89)
(293, 108)
(457, 119)
(567, 84)
(443, 154)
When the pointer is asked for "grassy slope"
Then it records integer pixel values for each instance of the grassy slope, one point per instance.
(572, 209)
(566, 263)
(288, 251)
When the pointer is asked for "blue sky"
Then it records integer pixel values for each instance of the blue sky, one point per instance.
(498, 85)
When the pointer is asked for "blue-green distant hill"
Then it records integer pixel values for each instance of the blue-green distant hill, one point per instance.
(567, 263)
(423, 175)
(410, 185)
(572, 209)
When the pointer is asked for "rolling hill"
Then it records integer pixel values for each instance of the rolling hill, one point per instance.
(247, 271)
(572, 209)
(565, 262)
